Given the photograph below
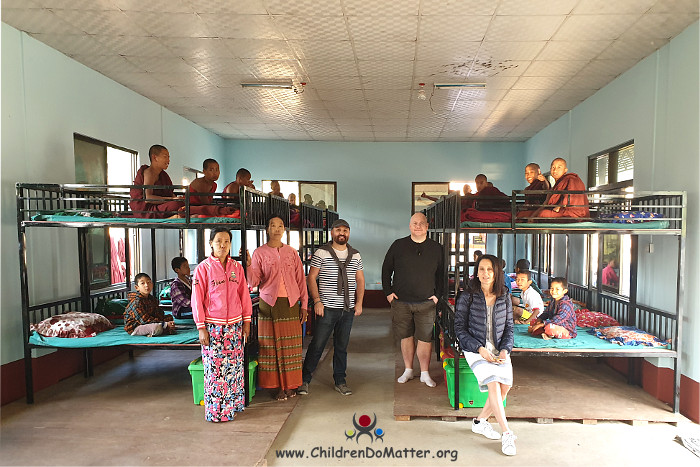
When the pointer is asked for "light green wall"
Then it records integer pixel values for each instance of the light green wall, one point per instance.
(374, 179)
(656, 104)
(46, 97)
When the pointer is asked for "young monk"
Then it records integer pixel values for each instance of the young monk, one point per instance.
(536, 181)
(162, 202)
(276, 190)
(559, 319)
(558, 205)
(202, 204)
(243, 178)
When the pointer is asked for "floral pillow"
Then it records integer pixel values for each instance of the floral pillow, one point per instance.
(629, 335)
(73, 324)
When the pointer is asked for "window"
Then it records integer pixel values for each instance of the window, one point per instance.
(97, 162)
(423, 194)
(320, 194)
(612, 169)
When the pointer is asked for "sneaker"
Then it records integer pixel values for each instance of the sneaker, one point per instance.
(508, 443)
(484, 428)
(343, 389)
(303, 389)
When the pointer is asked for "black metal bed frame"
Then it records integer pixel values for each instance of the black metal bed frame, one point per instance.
(32, 199)
(444, 219)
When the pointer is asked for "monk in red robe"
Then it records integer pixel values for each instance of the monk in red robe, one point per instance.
(558, 205)
(200, 203)
(162, 202)
(489, 204)
(536, 181)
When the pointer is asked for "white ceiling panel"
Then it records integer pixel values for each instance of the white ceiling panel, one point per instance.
(304, 7)
(594, 27)
(443, 28)
(383, 28)
(525, 28)
(385, 50)
(535, 7)
(394, 7)
(457, 7)
(573, 50)
(362, 62)
(606, 7)
(232, 26)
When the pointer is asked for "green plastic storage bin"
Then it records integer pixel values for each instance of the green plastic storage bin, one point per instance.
(197, 372)
(469, 393)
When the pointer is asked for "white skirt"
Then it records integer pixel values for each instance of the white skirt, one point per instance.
(487, 372)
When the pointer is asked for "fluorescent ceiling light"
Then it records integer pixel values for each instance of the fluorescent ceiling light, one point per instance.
(459, 85)
(269, 85)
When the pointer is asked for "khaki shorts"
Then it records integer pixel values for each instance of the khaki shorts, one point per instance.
(413, 319)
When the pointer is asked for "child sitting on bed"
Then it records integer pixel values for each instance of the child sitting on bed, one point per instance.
(207, 184)
(181, 289)
(243, 178)
(143, 316)
(559, 319)
(529, 306)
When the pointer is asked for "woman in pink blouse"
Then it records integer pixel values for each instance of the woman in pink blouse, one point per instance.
(277, 268)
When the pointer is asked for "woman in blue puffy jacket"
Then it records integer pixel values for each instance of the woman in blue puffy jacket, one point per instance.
(484, 327)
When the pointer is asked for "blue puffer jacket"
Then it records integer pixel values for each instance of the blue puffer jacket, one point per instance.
(470, 327)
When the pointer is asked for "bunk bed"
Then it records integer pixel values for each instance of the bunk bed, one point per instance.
(82, 207)
(611, 213)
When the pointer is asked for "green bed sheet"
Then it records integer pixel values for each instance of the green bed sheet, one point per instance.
(186, 334)
(134, 220)
(582, 341)
(661, 224)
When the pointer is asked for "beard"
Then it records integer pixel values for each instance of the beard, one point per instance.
(340, 239)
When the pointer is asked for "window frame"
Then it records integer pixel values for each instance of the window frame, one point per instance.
(613, 166)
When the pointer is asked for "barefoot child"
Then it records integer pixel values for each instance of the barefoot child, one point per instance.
(222, 311)
(143, 316)
(529, 306)
(559, 320)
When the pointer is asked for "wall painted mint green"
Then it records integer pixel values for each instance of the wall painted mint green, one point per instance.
(374, 179)
(656, 104)
(47, 96)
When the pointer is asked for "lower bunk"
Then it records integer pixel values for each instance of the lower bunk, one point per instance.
(108, 305)
(592, 343)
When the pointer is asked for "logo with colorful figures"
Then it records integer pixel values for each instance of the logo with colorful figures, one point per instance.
(365, 425)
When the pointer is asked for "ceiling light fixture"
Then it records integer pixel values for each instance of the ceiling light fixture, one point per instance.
(298, 89)
(459, 85)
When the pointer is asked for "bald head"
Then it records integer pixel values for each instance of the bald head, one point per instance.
(481, 182)
(418, 227)
(558, 168)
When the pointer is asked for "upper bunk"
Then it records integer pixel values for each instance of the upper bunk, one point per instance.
(83, 205)
(655, 212)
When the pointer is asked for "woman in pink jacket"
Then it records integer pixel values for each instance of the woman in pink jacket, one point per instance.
(222, 311)
(278, 269)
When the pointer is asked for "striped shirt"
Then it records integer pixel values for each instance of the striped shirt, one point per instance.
(328, 277)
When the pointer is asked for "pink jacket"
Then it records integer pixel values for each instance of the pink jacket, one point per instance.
(220, 296)
(269, 266)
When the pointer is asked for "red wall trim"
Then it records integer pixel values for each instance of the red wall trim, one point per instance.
(48, 370)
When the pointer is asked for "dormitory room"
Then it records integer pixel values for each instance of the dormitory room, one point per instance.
(407, 232)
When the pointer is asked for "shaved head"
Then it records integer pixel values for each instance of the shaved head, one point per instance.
(559, 159)
(419, 217)
(480, 177)
(533, 166)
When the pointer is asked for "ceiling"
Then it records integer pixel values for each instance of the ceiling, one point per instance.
(362, 61)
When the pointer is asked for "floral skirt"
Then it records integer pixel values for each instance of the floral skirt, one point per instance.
(224, 389)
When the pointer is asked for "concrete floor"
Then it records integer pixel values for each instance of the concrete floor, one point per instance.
(140, 412)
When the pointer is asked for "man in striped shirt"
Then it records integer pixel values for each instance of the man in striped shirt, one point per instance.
(337, 299)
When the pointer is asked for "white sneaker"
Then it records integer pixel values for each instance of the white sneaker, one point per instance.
(508, 443)
(484, 428)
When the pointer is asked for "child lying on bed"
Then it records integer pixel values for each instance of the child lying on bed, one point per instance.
(143, 316)
(559, 320)
(529, 306)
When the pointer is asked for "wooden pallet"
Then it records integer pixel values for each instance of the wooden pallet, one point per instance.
(546, 389)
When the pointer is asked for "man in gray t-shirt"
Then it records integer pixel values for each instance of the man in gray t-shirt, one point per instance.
(337, 299)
